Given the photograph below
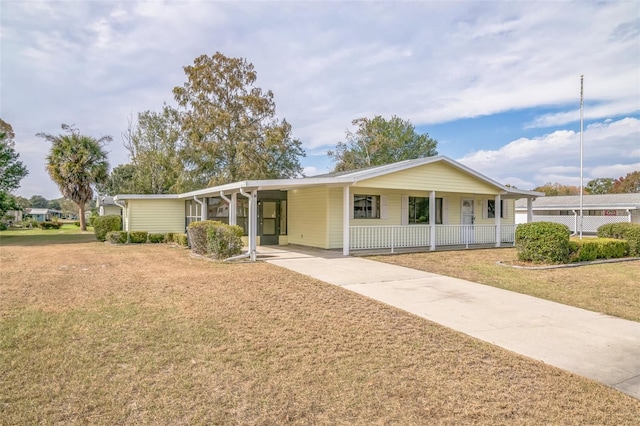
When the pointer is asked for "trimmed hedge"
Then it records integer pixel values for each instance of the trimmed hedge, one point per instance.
(197, 232)
(224, 241)
(156, 238)
(543, 242)
(623, 231)
(104, 224)
(181, 239)
(598, 248)
(117, 237)
(138, 237)
(215, 239)
(50, 225)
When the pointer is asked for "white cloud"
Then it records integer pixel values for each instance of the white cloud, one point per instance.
(95, 63)
(555, 157)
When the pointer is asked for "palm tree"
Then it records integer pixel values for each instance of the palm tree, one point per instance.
(76, 162)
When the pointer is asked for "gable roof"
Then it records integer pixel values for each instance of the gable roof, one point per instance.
(336, 179)
(591, 202)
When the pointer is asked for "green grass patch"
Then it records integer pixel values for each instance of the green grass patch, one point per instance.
(94, 333)
(608, 288)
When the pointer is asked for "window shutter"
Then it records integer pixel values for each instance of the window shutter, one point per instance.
(445, 212)
(503, 210)
(404, 219)
(351, 197)
(485, 209)
(384, 208)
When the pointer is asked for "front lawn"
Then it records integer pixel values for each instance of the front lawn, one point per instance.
(612, 289)
(92, 333)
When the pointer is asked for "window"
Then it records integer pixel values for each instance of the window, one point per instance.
(192, 211)
(419, 210)
(366, 206)
(491, 209)
(218, 209)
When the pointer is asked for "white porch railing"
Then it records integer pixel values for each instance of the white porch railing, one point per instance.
(396, 236)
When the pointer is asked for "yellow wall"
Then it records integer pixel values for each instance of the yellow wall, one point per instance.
(156, 215)
(438, 176)
(307, 215)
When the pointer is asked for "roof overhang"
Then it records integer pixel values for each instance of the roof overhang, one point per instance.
(348, 178)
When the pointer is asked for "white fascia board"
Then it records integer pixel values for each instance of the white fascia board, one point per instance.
(145, 197)
(521, 193)
(264, 185)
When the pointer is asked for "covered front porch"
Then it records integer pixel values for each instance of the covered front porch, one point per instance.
(396, 237)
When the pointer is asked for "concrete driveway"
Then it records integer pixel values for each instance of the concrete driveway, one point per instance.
(593, 345)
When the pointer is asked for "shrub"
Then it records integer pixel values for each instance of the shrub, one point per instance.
(197, 232)
(224, 240)
(598, 248)
(117, 237)
(613, 230)
(93, 218)
(156, 238)
(216, 239)
(103, 224)
(543, 242)
(181, 239)
(50, 225)
(138, 237)
(3, 226)
(623, 231)
(168, 237)
(76, 223)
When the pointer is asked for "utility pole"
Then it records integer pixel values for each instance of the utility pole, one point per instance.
(581, 147)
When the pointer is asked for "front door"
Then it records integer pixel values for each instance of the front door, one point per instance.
(269, 222)
(468, 218)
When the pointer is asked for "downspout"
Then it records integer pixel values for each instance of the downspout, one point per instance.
(232, 208)
(123, 207)
(203, 212)
(252, 223)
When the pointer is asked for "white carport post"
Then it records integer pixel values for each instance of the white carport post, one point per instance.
(498, 219)
(529, 210)
(253, 222)
(346, 215)
(432, 220)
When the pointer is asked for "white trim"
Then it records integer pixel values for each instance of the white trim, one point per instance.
(347, 212)
(404, 210)
(384, 207)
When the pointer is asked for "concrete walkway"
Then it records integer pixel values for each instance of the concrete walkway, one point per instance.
(597, 346)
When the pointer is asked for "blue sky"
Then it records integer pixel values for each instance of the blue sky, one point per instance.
(497, 83)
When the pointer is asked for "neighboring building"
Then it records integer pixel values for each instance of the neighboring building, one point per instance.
(597, 210)
(16, 214)
(106, 206)
(43, 215)
(427, 202)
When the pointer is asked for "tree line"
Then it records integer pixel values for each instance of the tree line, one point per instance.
(622, 185)
(223, 129)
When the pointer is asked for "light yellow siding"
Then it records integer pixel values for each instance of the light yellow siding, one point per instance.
(335, 217)
(156, 215)
(438, 176)
(307, 215)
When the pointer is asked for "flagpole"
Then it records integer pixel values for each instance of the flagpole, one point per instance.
(581, 147)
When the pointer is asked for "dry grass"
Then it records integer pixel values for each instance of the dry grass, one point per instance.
(612, 288)
(100, 334)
